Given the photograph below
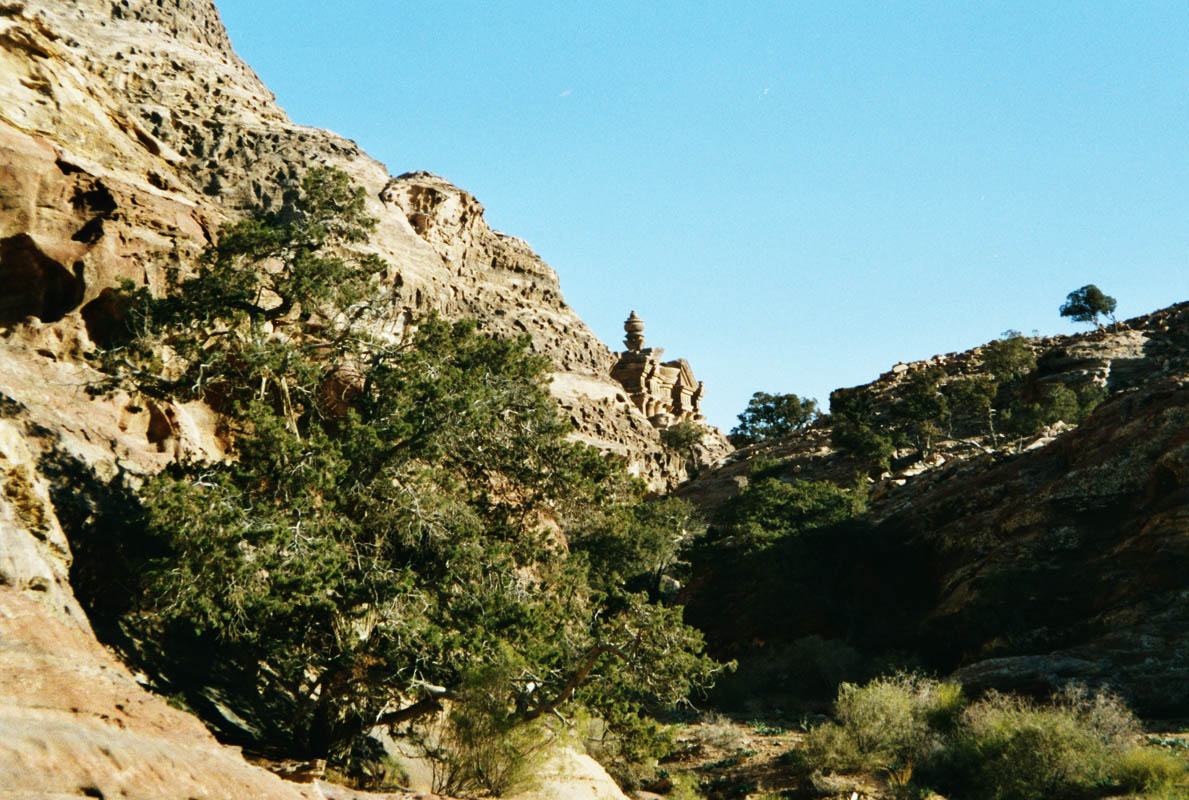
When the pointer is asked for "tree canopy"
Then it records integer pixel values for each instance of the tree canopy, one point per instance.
(1087, 304)
(391, 528)
(772, 416)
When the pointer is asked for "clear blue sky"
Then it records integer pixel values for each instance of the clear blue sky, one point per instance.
(793, 195)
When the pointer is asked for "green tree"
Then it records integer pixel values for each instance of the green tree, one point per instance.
(855, 430)
(772, 416)
(1087, 304)
(385, 534)
(770, 509)
(681, 439)
(970, 400)
(1009, 358)
(922, 406)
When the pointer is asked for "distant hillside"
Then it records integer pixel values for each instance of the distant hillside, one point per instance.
(1020, 562)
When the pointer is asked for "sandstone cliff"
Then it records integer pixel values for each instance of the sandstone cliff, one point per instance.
(129, 133)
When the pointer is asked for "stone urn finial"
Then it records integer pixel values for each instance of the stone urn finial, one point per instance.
(634, 326)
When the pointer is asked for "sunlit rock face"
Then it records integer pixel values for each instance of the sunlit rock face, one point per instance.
(130, 132)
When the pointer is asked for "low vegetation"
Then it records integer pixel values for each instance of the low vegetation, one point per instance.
(923, 735)
(904, 736)
(1006, 400)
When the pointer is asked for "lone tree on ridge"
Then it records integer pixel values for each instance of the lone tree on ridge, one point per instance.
(1087, 304)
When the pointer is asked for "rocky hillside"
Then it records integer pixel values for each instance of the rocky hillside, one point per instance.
(130, 131)
(1125, 356)
(1019, 563)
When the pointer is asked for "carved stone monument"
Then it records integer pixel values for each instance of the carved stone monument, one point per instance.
(666, 392)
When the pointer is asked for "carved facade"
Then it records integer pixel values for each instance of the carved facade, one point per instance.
(665, 391)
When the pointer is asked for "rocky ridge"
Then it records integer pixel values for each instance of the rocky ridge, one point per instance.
(1124, 356)
(1027, 564)
(130, 131)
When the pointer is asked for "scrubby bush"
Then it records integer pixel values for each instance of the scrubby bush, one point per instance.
(921, 732)
(895, 721)
(1149, 770)
(478, 747)
(1010, 748)
(681, 438)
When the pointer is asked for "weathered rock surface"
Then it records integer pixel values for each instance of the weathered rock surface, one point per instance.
(129, 133)
(1061, 558)
(571, 775)
(1067, 562)
(130, 130)
(1127, 355)
(73, 721)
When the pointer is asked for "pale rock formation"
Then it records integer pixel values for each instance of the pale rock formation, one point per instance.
(129, 133)
(571, 775)
(665, 391)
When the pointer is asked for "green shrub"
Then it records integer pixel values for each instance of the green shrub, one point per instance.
(831, 747)
(682, 437)
(1009, 748)
(894, 722)
(1148, 770)
(686, 786)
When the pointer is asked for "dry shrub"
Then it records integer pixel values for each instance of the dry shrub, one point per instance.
(894, 722)
(719, 732)
(1149, 770)
(475, 748)
(1010, 748)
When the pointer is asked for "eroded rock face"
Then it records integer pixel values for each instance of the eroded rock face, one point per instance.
(1128, 355)
(1061, 558)
(130, 131)
(1068, 562)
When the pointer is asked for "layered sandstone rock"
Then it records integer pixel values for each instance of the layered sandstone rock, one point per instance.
(130, 131)
(73, 721)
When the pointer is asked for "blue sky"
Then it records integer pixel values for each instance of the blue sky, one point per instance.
(793, 195)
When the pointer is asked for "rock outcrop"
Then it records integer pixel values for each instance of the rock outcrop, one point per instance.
(130, 131)
(1124, 356)
(1060, 558)
(73, 721)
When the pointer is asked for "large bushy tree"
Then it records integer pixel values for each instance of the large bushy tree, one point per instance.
(772, 416)
(386, 533)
